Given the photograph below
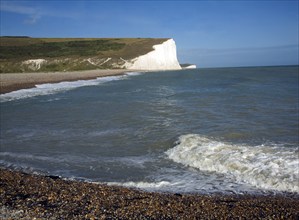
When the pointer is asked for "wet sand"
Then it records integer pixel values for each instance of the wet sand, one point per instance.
(27, 196)
(14, 81)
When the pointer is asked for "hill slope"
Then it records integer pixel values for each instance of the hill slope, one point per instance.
(25, 54)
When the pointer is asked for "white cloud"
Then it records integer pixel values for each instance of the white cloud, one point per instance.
(32, 19)
(33, 14)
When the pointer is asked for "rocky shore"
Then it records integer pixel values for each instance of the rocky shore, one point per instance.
(29, 196)
(14, 81)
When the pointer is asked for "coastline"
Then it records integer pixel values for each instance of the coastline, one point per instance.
(15, 81)
(27, 196)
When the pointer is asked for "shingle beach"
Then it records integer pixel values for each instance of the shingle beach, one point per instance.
(29, 196)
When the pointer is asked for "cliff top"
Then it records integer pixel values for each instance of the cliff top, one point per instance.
(24, 48)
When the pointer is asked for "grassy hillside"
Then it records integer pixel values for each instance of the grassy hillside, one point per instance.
(65, 54)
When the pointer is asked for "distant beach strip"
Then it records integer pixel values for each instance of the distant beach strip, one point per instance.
(15, 81)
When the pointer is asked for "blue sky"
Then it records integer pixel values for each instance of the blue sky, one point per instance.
(207, 33)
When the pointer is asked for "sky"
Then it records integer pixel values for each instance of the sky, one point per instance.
(207, 33)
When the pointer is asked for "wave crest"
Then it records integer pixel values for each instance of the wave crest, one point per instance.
(266, 167)
(53, 88)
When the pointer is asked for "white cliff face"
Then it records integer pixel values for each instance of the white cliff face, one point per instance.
(163, 57)
(34, 64)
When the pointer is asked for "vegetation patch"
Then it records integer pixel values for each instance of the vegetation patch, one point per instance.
(58, 49)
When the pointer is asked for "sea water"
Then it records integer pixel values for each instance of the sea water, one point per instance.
(222, 130)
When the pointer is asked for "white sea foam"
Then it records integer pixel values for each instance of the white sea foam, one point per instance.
(142, 185)
(29, 157)
(134, 73)
(264, 166)
(52, 88)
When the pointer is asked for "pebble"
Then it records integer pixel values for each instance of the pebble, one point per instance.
(29, 196)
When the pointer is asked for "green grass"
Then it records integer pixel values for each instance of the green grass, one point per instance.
(59, 49)
(30, 48)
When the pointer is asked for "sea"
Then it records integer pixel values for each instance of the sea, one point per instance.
(209, 130)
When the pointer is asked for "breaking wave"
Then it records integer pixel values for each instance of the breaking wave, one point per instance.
(53, 88)
(134, 73)
(264, 166)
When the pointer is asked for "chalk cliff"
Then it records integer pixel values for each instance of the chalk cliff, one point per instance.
(69, 54)
(163, 57)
